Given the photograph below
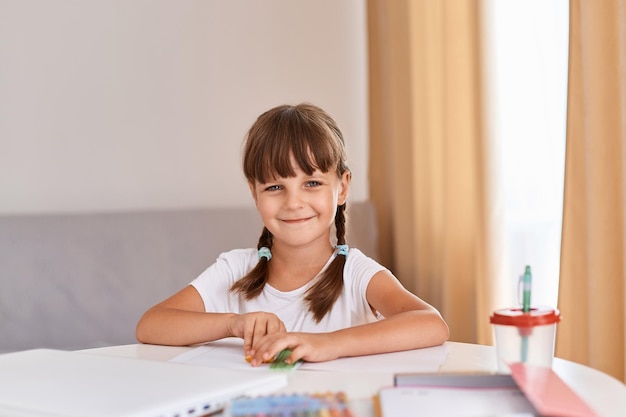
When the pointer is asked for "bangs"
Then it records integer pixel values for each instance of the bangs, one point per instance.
(287, 132)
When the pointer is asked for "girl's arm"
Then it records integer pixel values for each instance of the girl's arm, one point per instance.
(409, 323)
(181, 320)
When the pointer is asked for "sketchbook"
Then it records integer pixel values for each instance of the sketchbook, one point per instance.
(46, 382)
(228, 352)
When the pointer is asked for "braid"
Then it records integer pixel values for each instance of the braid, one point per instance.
(322, 296)
(266, 239)
(340, 224)
(252, 284)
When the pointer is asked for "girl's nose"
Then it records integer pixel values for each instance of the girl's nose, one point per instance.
(294, 200)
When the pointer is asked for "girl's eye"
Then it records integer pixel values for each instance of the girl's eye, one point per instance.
(273, 188)
(313, 183)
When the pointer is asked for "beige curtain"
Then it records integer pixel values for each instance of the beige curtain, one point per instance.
(427, 156)
(591, 289)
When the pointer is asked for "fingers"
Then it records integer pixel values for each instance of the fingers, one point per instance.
(310, 347)
(268, 347)
(254, 328)
(248, 335)
(256, 325)
(297, 353)
(261, 328)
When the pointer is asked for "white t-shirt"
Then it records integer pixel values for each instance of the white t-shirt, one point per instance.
(350, 309)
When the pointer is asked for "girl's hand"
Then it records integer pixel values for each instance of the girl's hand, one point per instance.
(311, 347)
(253, 326)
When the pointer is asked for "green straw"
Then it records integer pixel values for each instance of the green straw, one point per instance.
(527, 283)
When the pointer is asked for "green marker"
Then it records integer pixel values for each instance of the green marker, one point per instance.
(527, 283)
(279, 361)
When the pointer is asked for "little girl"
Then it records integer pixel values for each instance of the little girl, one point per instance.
(297, 290)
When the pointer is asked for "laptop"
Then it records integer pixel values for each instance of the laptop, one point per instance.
(56, 383)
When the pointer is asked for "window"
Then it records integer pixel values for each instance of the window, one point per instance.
(526, 51)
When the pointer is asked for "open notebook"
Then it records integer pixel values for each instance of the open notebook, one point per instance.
(46, 382)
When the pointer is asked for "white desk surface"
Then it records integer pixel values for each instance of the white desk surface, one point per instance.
(605, 394)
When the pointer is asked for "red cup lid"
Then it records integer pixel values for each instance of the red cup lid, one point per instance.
(537, 316)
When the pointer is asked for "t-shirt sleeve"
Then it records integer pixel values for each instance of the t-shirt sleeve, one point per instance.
(214, 283)
(359, 270)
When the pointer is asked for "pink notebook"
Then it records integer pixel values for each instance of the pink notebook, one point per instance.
(548, 393)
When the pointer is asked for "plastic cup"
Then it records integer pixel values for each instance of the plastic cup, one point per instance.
(525, 337)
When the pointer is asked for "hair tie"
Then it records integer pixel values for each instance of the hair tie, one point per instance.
(342, 250)
(265, 252)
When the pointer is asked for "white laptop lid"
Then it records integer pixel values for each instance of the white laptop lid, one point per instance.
(46, 382)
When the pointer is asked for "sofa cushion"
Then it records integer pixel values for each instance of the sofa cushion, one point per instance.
(74, 281)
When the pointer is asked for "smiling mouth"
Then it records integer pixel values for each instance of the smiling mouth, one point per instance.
(295, 221)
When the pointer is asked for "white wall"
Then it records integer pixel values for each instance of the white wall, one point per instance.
(140, 104)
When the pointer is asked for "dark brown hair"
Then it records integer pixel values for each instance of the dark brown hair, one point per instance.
(314, 140)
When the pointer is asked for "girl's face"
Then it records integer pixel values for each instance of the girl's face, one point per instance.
(301, 210)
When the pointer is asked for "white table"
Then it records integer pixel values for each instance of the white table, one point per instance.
(602, 392)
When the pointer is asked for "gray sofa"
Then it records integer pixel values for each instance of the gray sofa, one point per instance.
(74, 281)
